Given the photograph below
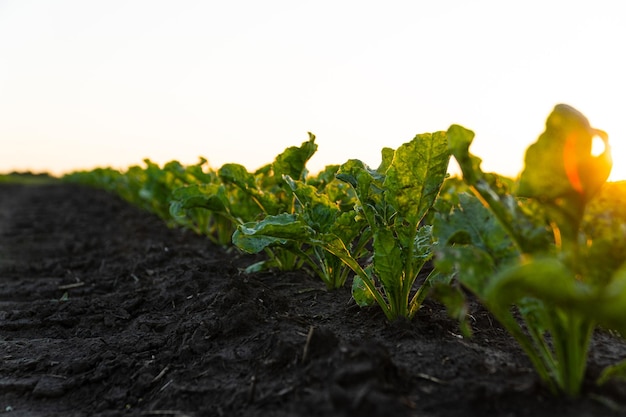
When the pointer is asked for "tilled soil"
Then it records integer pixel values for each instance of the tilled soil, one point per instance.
(104, 311)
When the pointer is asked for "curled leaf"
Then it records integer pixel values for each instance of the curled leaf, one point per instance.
(561, 164)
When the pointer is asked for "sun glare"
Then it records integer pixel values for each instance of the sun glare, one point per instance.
(618, 152)
(597, 146)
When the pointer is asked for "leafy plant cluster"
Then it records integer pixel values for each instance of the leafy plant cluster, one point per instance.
(347, 219)
(545, 253)
(546, 248)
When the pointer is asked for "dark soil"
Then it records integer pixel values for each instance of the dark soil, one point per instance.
(104, 311)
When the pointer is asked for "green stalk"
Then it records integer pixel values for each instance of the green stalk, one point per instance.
(352, 263)
(387, 308)
(420, 295)
(409, 277)
(542, 368)
(543, 351)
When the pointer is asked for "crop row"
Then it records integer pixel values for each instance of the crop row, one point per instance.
(545, 254)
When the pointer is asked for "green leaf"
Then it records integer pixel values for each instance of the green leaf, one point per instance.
(208, 196)
(529, 233)
(459, 141)
(470, 222)
(265, 198)
(324, 177)
(472, 266)
(349, 172)
(414, 178)
(547, 279)
(610, 310)
(456, 305)
(615, 371)
(386, 159)
(254, 243)
(561, 172)
(471, 243)
(348, 228)
(237, 174)
(341, 194)
(316, 209)
(368, 185)
(561, 164)
(422, 245)
(562, 279)
(253, 237)
(388, 261)
(551, 281)
(292, 161)
(361, 294)
(604, 226)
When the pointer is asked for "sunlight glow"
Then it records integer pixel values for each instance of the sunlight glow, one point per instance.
(618, 150)
(597, 146)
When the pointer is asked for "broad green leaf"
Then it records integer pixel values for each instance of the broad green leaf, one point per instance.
(470, 222)
(368, 186)
(526, 231)
(561, 164)
(341, 193)
(547, 279)
(348, 228)
(257, 267)
(388, 261)
(208, 196)
(386, 159)
(253, 237)
(561, 172)
(454, 300)
(459, 141)
(422, 244)
(472, 266)
(610, 311)
(415, 175)
(361, 294)
(237, 174)
(349, 172)
(255, 243)
(292, 161)
(324, 177)
(317, 210)
(604, 226)
(552, 282)
(471, 243)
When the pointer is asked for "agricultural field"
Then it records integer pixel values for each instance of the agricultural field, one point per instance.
(187, 291)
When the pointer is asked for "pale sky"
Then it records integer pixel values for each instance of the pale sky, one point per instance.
(108, 83)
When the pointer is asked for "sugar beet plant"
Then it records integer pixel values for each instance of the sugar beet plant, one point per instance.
(321, 216)
(394, 200)
(542, 254)
(148, 187)
(239, 197)
(388, 207)
(535, 249)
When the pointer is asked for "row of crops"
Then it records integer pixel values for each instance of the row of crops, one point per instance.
(544, 254)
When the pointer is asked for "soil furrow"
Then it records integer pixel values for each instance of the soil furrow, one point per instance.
(105, 311)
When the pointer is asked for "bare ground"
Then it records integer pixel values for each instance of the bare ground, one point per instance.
(104, 311)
